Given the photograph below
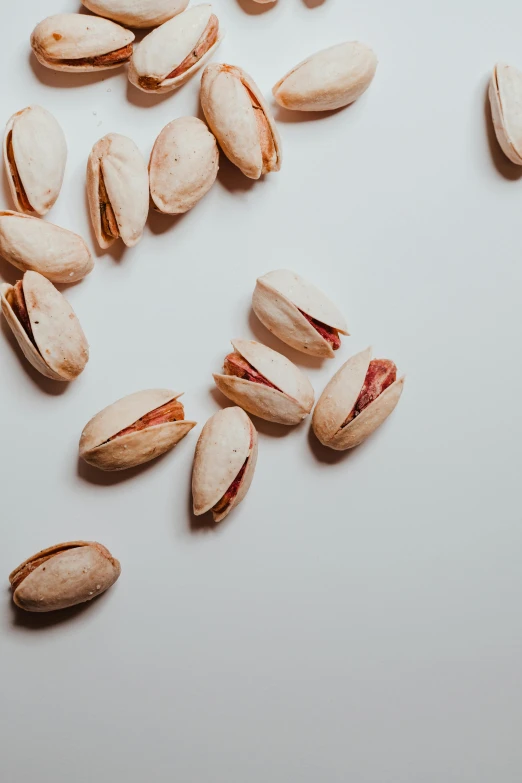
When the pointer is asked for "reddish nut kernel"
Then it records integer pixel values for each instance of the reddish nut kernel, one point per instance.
(328, 333)
(236, 365)
(206, 42)
(16, 299)
(13, 170)
(110, 58)
(381, 373)
(231, 492)
(108, 218)
(171, 411)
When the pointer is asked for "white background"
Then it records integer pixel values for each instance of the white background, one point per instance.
(358, 617)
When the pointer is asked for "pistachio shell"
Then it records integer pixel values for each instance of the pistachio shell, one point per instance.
(39, 153)
(289, 404)
(63, 576)
(505, 95)
(327, 80)
(183, 165)
(137, 13)
(30, 243)
(277, 300)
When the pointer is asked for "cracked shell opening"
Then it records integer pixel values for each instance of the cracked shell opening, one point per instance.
(328, 333)
(236, 365)
(171, 411)
(381, 373)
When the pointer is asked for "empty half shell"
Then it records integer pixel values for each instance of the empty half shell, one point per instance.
(298, 313)
(134, 430)
(360, 396)
(265, 383)
(224, 463)
(505, 95)
(137, 13)
(35, 153)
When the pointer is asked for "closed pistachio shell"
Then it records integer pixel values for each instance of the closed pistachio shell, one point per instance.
(46, 327)
(30, 243)
(134, 430)
(327, 80)
(118, 190)
(224, 463)
(289, 397)
(35, 153)
(137, 13)
(240, 119)
(79, 42)
(183, 165)
(282, 298)
(505, 95)
(63, 575)
(168, 56)
(338, 400)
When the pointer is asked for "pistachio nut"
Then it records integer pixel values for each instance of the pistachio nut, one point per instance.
(505, 95)
(35, 152)
(63, 575)
(78, 42)
(359, 397)
(134, 430)
(168, 56)
(137, 13)
(30, 243)
(224, 463)
(183, 165)
(118, 190)
(240, 119)
(298, 313)
(265, 383)
(45, 326)
(328, 79)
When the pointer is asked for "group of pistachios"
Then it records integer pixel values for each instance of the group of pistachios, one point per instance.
(182, 168)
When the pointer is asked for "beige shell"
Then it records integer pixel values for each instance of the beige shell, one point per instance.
(289, 404)
(118, 160)
(39, 152)
(63, 575)
(227, 98)
(227, 441)
(78, 42)
(330, 79)
(61, 351)
(505, 95)
(135, 448)
(277, 300)
(30, 243)
(137, 13)
(338, 399)
(166, 48)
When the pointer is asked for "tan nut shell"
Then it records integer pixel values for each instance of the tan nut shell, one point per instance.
(227, 105)
(137, 13)
(166, 47)
(338, 399)
(277, 299)
(68, 574)
(327, 80)
(126, 181)
(136, 448)
(289, 404)
(183, 165)
(40, 154)
(505, 95)
(30, 243)
(227, 440)
(63, 350)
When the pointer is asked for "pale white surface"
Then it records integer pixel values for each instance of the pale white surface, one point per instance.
(358, 618)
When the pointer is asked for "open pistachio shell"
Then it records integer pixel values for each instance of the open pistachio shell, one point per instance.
(289, 403)
(137, 13)
(505, 95)
(105, 445)
(279, 301)
(227, 445)
(35, 153)
(339, 398)
(63, 575)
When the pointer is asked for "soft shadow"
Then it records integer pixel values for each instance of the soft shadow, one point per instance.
(66, 79)
(54, 388)
(9, 273)
(262, 335)
(232, 178)
(145, 100)
(103, 478)
(203, 524)
(36, 621)
(289, 116)
(254, 9)
(329, 456)
(159, 222)
(502, 164)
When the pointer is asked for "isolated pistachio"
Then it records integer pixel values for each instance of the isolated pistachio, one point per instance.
(63, 575)
(118, 190)
(505, 95)
(224, 463)
(79, 42)
(168, 56)
(298, 313)
(137, 13)
(35, 153)
(134, 430)
(30, 243)
(265, 383)
(240, 119)
(359, 397)
(45, 326)
(183, 165)
(328, 79)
